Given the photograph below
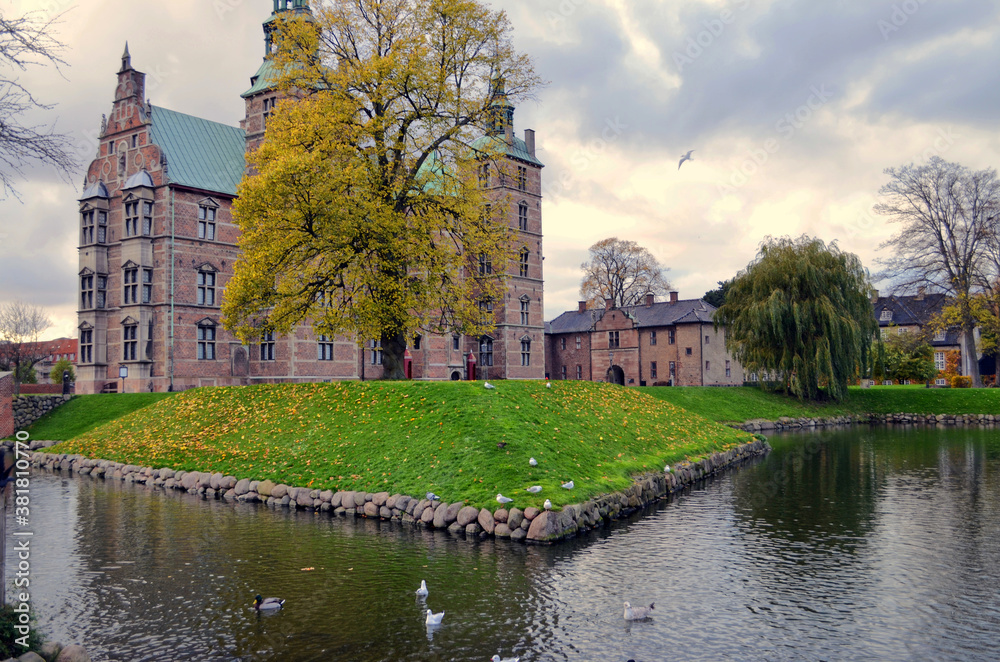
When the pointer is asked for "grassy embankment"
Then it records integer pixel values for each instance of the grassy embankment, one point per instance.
(457, 439)
(86, 412)
(734, 405)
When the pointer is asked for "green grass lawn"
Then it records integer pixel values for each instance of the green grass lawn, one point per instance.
(85, 412)
(738, 404)
(457, 439)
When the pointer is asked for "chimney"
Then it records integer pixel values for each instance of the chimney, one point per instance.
(529, 141)
(673, 296)
(508, 133)
(609, 303)
(874, 296)
(583, 307)
(921, 292)
(649, 299)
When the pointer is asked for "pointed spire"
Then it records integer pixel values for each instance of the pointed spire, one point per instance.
(126, 59)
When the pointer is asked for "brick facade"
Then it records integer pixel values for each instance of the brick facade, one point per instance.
(7, 427)
(658, 343)
(150, 291)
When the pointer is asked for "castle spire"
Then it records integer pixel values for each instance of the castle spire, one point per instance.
(126, 59)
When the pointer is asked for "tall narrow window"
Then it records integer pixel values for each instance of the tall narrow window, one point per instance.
(564, 372)
(939, 362)
(87, 235)
(578, 342)
(652, 370)
(456, 343)
(268, 109)
(267, 346)
(522, 263)
(324, 348)
(131, 219)
(525, 310)
(130, 281)
(206, 343)
(562, 343)
(130, 335)
(671, 337)
(708, 366)
(147, 285)
(522, 178)
(86, 292)
(579, 372)
(652, 337)
(206, 288)
(485, 351)
(102, 227)
(376, 352)
(147, 218)
(484, 175)
(485, 264)
(522, 216)
(86, 345)
(206, 223)
(729, 371)
(525, 352)
(612, 339)
(102, 291)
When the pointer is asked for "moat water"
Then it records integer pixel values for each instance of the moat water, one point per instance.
(853, 544)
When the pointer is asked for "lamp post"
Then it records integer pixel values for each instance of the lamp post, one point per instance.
(123, 373)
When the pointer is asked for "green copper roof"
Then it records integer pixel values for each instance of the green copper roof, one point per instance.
(264, 79)
(201, 154)
(517, 149)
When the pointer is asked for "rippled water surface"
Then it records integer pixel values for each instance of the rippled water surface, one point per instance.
(847, 545)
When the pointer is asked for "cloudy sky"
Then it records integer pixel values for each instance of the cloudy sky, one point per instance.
(794, 108)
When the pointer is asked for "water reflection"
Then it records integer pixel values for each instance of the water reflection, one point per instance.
(849, 544)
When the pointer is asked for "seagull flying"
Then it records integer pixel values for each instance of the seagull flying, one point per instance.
(547, 505)
(637, 613)
(686, 157)
(568, 485)
(422, 591)
(535, 489)
(533, 462)
(433, 619)
(502, 499)
(433, 497)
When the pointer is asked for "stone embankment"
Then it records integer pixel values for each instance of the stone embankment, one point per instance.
(529, 524)
(30, 408)
(786, 423)
(54, 652)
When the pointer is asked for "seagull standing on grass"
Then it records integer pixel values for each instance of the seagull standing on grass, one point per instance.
(422, 591)
(568, 485)
(534, 489)
(637, 613)
(433, 497)
(488, 385)
(532, 461)
(686, 157)
(502, 499)
(547, 505)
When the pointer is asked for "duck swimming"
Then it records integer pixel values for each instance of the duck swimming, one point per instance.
(267, 604)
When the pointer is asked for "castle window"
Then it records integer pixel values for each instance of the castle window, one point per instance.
(525, 352)
(456, 343)
(325, 348)
(206, 223)
(612, 339)
(87, 234)
(652, 370)
(147, 218)
(939, 336)
(522, 178)
(484, 175)
(579, 372)
(416, 342)
(102, 290)
(708, 366)
(486, 305)
(485, 264)
(562, 343)
(376, 352)
(578, 342)
(729, 371)
(522, 216)
(564, 372)
(485, 351)
(268, 109)
(206, 343)
(886, 315)
(267, 346)
(135, 141)
(147, 285)
(86, 345)
(525, 311)
(652, 337)
(130, 338)
(131, 219)
(522, 263)
(130, 280)
(102, 227)
(86, 292)
(939, 362)
(687, 351)
(206, 288)
(671, 337)
(706, 340)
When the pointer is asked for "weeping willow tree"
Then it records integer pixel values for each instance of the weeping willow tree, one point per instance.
(801, 314)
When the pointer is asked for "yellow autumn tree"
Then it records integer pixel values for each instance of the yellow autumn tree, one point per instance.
(364, 214)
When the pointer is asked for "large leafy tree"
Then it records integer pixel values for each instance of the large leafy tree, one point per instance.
(717, 297)
(948, 217)
(800, 314)
(365, 213)
(906, 356)
(622, 271)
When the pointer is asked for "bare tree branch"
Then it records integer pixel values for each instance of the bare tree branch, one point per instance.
(622, 271)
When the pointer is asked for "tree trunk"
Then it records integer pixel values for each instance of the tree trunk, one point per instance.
(969, 352)
(393, 349)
